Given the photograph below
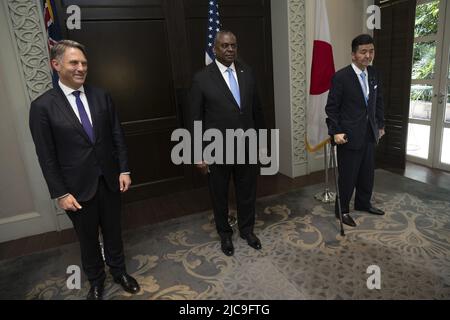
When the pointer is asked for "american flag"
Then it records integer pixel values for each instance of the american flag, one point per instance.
(52, 29)
(213, 28)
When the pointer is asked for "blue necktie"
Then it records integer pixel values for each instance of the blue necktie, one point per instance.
(234, 87)
(84, 117)
(364, 86)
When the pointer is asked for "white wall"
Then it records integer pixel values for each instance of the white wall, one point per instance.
(25, 205)
(14, 190)
(347, 19)
(282, 87)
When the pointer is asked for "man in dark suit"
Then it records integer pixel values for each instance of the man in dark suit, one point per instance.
(82, 154)
(356, 122)
(224, 96)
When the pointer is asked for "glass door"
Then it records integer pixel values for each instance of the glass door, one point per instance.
(429, 113)
(441, 158)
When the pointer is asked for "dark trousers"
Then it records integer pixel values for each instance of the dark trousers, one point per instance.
(244, 179)
(356, 171)
(102, 211)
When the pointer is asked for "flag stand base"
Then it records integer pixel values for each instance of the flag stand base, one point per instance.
(326, 196)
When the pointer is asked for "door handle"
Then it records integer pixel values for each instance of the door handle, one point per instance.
(440, 97)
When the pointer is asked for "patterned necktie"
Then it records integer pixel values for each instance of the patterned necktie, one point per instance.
(84, 117)
(364, 86)
(234, 87)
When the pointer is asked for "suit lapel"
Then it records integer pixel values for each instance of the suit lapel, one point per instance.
(357, 84)
(65, 107)
(94, 111)
(372, 84)
(220, 81)
(241, 79)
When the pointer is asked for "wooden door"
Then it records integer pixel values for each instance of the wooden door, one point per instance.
(145, 52)
(393, 47)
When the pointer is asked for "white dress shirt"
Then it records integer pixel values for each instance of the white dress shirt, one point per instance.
(68, 92)
(358, 73)
(223, 71)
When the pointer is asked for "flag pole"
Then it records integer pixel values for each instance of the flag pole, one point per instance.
(326, 196)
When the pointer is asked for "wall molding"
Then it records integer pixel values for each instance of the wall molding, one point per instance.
(21, 225)
(26, 26)
(19, 217)
(297, 54)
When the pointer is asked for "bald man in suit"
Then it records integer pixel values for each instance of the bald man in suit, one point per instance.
(224, 96)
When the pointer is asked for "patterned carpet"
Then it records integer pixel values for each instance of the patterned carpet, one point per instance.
(303, 255)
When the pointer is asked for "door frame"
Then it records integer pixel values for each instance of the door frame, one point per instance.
(441, 92)
(439, 84)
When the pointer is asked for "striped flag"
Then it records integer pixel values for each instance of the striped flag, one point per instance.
(212, 29)
(52, 29)
(322, 70)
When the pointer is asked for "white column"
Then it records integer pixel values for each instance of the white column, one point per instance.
(24, 75)
(289, 67)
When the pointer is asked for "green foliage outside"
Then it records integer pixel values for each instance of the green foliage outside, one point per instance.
(427, 18)
(421, 92)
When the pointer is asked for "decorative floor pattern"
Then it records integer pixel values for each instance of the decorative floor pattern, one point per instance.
(303, 255)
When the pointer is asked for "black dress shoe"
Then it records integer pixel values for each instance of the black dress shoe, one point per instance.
(372, 210)
(128, 283)
(95, 293)
(347, 219)
(252, 240)
(227, 246)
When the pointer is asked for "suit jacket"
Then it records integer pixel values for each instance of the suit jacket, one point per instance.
(346, 108)
(70, 162)
(212, 102)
